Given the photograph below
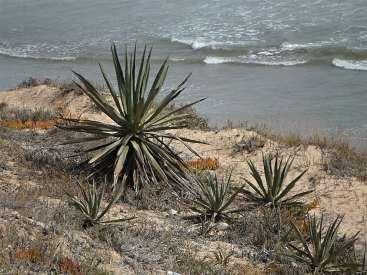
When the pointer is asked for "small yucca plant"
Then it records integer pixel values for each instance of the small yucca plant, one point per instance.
(137, 142)
(319, 248)
(90, 203)
(274, 191)
(214, 199)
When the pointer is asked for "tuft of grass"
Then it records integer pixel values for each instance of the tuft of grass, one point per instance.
(274, 191)
(319, 248)
(202, 164)
(250, 144)
(33, 82)
(197, 121)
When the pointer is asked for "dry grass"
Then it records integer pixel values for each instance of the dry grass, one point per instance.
(67, 265)
(196, 120)
(24, 114)
(32, 255)
(21, 125)
(203, 164)
(64, 86)
(40, 255)
(249, 144)
(32, 82)
(27, 118)
(341, 158)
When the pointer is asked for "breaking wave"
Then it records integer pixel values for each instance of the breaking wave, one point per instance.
(249, 60)
(350, 64)
(31, 52)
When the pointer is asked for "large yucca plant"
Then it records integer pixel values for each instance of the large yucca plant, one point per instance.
(214, 198)
(90, 203)
(137, 142)
(274, 191)
(320, 249)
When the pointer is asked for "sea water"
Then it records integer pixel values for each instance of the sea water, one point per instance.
(296, 65)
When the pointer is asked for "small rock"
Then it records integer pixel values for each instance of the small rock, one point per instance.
(222, 226)
(2, 230)
(172, 212)
(172, 273)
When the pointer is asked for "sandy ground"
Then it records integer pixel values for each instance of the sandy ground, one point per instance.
(336, 195)
(344, 196)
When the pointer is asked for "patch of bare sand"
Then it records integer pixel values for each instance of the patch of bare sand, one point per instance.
(337, 196)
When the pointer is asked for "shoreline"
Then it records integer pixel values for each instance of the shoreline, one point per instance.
(296, 98)
(289, 137)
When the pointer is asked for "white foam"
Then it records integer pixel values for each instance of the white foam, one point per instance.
(252, 60)
(176, 59)
(276, 63)
(350, 64)
(21, 53)
(286, 46)
(217, 60)
(198, 44)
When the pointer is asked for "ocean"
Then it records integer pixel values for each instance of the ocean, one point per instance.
(295, 65)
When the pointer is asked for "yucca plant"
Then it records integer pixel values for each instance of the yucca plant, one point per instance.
(90, 203)
(274, 191)
(214, 198)
(137, 142)
(320, 249)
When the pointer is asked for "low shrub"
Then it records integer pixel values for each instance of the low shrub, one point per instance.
(32, 255)
(250, 144)
(67, 265)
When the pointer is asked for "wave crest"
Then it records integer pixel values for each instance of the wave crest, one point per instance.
(251, 60)
(198, 44)
(217, 60)
(350, 64)
(26, 53)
